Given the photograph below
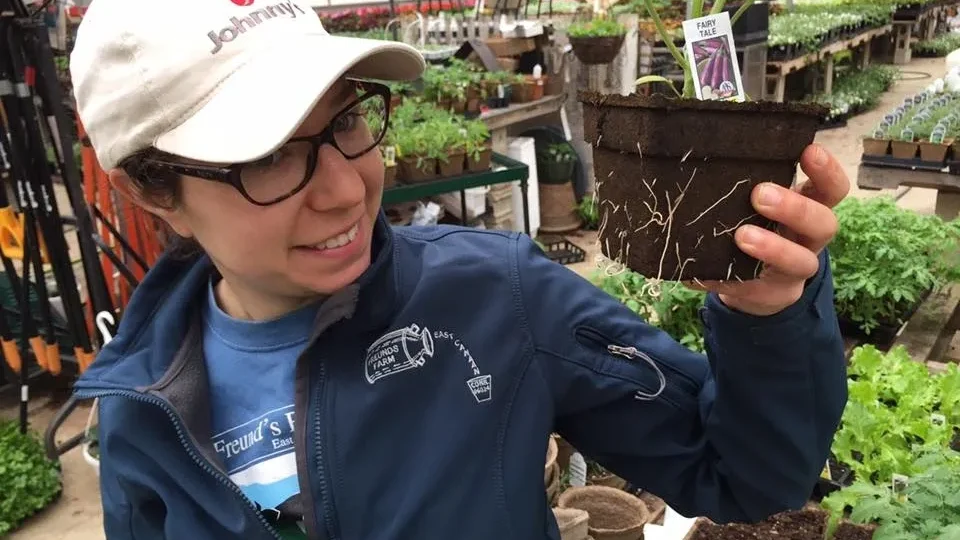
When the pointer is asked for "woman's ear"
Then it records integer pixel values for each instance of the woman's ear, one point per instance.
(129, 189)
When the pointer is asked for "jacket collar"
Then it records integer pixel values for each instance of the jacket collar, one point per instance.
(157, 319)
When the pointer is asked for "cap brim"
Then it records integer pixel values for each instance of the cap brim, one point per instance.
(261, 105)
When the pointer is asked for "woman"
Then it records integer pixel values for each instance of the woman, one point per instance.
(310, 372)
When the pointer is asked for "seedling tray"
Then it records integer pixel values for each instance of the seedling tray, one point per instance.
(562, 251)
(911, 164)
(883, 335)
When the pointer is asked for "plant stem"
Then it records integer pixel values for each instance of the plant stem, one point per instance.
(697, 8)
(718, 7)
(662, 30)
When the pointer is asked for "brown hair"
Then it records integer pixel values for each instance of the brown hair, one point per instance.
(162, 187)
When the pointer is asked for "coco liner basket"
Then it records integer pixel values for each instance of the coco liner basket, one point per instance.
(594, 50)
(674, 177)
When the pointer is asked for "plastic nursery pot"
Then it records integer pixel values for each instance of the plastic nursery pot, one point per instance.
(453, 166)
(551, 171)
(596, 50)
(614, 514)
(676, 176)
(934, 152)
(572, 522)
(411, 173)
(876, 147)
(904, 149)
(389, 176)
(480, 164)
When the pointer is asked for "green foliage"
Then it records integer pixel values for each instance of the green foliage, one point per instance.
(929, 507)
(28, 480)
(670, 306)
(596, 27)
(589, 212)
(941, 45)
(858, 90)
(419, 129)
(890, 417)
(808, 24)
(884, 258)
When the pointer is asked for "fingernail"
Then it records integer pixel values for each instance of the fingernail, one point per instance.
(770, 196)
(749, 235)
(820, 156)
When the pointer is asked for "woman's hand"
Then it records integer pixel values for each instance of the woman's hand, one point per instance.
(789, 258)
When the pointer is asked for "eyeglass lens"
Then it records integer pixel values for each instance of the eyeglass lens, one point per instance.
(355, 132)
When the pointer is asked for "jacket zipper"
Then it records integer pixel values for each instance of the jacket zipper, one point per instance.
(329, 518)
(188, 446)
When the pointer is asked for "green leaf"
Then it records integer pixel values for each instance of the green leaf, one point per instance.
(648, 79)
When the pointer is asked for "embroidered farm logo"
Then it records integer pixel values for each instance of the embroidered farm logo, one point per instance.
(240, 25)
(480, 384)
(400, 350)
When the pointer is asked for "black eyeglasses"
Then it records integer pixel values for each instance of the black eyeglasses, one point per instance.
(354, 131)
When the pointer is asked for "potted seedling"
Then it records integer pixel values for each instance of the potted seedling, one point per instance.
(451, 138)
(675, 175)
(879, 143)
(521, 88)
(597, 41)
(417, 162)
(497, 86)
(477, 146)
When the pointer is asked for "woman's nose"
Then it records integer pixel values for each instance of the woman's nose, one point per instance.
(336, 183)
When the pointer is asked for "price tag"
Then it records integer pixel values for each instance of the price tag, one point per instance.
(578, 470)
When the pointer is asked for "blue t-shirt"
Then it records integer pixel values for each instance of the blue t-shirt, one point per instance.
(251, 368)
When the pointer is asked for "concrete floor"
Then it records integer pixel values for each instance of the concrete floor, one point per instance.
(77, 514)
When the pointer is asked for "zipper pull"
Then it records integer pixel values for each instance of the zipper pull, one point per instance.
(632, 353)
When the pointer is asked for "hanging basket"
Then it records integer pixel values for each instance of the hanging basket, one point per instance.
(597, 50)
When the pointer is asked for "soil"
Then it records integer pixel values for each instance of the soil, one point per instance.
(807, 524)
(849, 531)
(655, 504)
(669, 205)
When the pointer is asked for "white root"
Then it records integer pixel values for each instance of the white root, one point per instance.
(681, 264)
(685, 156)
(728, 230)
(720, 200)
(671, 209)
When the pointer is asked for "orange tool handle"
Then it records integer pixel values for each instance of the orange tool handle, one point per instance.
(11, 354)
(53, 358)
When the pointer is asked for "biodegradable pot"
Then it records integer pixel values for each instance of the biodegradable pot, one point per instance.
(412, 174)
(552, 452)
(573, 523)
(521, 92)
(807, 524)
(675, 177)
(597, 50)
(481, 164)
(876, 147)
(459, 106)
(903, 149)
(553, 486)
(389, 176)
(445, 104)
(453, 166)
(564, 451)
(614, 514)
(933, 152)
(558, 208)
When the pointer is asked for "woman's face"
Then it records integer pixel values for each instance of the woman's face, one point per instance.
(315, 242)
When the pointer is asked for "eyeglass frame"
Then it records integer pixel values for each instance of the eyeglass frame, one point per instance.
(231, 174)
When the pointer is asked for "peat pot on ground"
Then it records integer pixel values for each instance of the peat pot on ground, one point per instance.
(674, 177)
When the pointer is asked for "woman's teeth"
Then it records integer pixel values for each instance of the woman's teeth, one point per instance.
(340, 240)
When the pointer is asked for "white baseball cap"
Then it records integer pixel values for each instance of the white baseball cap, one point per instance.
(220, 81)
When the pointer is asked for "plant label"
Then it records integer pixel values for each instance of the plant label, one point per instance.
(899, 486)
(712, 55)
(389, 154)
(878, 134)
(578, 470)
(906, 135)
(826, 471)
(936, 418)
(501, 92)
(936, 137)
(889, 119)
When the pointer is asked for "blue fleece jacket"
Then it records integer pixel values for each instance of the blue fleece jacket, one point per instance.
(427, 392)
